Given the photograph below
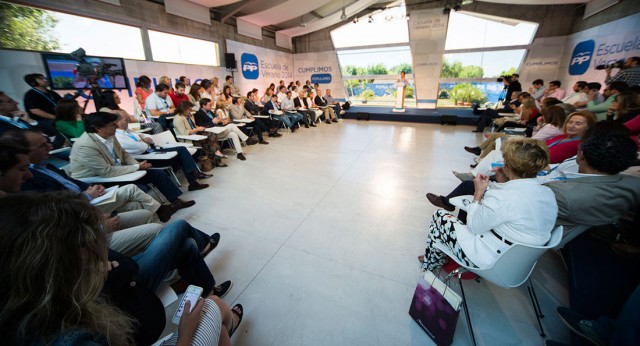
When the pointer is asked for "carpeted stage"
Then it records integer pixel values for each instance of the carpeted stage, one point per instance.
(463, 116)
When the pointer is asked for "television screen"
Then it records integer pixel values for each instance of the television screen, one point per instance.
(65, 72)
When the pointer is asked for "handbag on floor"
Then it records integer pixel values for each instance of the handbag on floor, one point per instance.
(435, 307)
(206, 164)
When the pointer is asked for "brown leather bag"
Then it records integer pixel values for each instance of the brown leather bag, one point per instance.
(206, 164)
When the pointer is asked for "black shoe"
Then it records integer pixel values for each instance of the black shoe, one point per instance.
(473, 150)
(313, 125)
(180, 204)
(214, 240)
(328, 122)
(277, 135)
(473, 165)
(306, 126)
(335, 120)
(263, 142)
(241, 157)
(223, 289)
(201, 175)
(165, 211)
(476, 130)
(252, 140)
(197, 186)
(293, 129)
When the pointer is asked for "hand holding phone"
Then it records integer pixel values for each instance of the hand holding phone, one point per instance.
(192, 295)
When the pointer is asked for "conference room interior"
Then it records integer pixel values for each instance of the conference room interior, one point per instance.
(321, 222)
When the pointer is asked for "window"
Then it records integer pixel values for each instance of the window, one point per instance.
(370, 75)
(35, 29)
(482, 64)
(468, 30)
(184, 50)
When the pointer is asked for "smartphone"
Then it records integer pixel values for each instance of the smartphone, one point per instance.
(192, 295)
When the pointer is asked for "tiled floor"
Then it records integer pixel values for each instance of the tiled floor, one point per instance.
(320, 233)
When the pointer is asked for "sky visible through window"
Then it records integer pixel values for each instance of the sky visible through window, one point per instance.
(380, 31)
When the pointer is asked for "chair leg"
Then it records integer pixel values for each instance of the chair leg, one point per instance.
(536, 306)
(466, 310)
(160, 197)
(173, 174)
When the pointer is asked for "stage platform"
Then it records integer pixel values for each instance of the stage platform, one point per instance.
(463, 116)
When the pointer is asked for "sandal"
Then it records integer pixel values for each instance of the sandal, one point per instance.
(214, 239)
(238, 311)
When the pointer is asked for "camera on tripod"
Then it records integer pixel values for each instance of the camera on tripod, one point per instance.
(502, 78)
(617, 64)
(92, 72)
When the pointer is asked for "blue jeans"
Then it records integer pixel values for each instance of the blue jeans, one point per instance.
(177, 246)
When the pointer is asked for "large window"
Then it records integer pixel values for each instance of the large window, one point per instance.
(471, 63)
(370, 74)
(385, 27)
(35, 29)
(184, 50)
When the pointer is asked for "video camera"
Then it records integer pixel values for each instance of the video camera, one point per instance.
(92, 72)
(617, 64)
(502, 78)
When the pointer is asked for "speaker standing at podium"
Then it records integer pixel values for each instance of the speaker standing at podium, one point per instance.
(401, 86)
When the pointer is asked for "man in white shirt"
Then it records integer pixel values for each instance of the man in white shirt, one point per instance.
(333, 103)
(159, 103)
(288, 106)
(579, 97)
(137, 144)
(282, 93)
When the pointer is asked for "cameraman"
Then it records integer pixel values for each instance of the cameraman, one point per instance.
(629, 72)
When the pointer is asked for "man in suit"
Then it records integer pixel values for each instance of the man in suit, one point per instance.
(329, 113)
(237, 112)
(98, 153)
(251, 104)
(273, 107)
(308, 115)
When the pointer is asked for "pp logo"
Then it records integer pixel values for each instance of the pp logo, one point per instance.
(250, 68)
(581, 57)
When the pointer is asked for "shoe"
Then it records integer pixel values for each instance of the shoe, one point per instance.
(473, 165)
(306, 126)
(220, 157)
(195, 186)
(327, 122)
(335, 120)
(313, 125)
(579, 325)
(463, 176)
(293, 129)
(439, 201)
(252, 140)
(214, 239)
(473, 150)
(201, 175)
(241, 157)
(180, 204)
(220, 164)
(476, 130)
(223, 289)
(165, 211)
(263, 142)
(277, 134)
(238, 311)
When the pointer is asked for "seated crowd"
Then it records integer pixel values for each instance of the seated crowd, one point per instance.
(568, 173)
(86, 263)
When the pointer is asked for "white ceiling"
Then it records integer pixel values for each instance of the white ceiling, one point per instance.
(285, 16)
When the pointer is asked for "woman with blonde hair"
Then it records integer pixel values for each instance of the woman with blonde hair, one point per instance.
(166, 80)
(266, 98)
(223, 119)
(184, 124)
(497, 217)
(575, 127)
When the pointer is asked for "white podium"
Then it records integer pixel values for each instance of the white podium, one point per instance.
(400, 89)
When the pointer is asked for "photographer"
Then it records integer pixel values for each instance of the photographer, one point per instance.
(629, 72)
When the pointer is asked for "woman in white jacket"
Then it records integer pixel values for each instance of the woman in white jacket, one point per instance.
(519, 210)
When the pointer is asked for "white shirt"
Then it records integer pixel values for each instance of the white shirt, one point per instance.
(131, 142)
(281, 97)
(155, 102)
(575, 98)
(287, 104)
(109, 144)
(519, 210)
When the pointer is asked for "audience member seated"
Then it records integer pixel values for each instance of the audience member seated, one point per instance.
(41, 103)
(158, 103)
(537, 89)
(178, 95)
(166, 81)
(215, 89)
(566, 145)
(489, 114)
(110, 102)
(310, 104)
(224, 120)
(593, 92)
(226, 95)
(187, 85)
(321, 102)
(69, 120)
(579, 97)
(98, 153)
(629, 74)
(610, 92)
(184, 124)
(282, 93)
(9, 111)
(308, 115)
(194, 95)
(228, 81)
(208, 90)
(273, 109)
(527, 111)
(333, 103)
(624, 107)
(253, 106)
(497, 217)
(554, 90)
(136, 144)
(238, 111)
(266, 98)
(289, 108)
(143, 90)
(73, 250)
(14, 167)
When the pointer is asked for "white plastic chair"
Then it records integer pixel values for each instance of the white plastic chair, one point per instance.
(570, 233)
(166, 140)
(512, 269)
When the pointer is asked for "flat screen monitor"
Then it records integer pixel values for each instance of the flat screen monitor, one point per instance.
(65, 72)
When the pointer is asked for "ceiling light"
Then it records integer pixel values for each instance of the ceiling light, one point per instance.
(370, 20)
(355, 20)
(344, 15)
(302, 23)
(466, 2)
